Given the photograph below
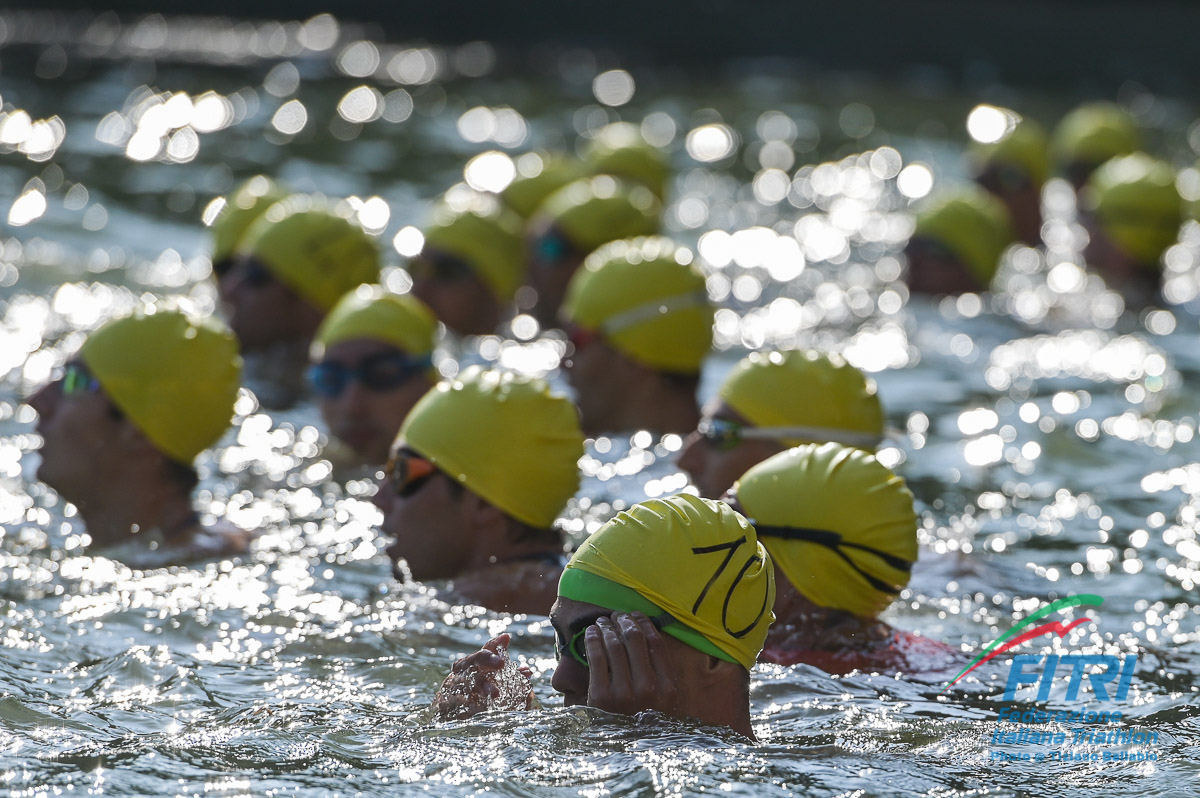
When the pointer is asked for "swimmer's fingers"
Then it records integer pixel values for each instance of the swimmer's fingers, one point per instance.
(492, 656)
(471, 686)
(650, 671)
(465, 694)
(654, 664)
(628, 666)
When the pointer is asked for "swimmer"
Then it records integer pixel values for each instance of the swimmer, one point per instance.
(771, 401)
(230, 217)
(1132, 211)
(842, 533)
(620, 150)
(470, 263)
(640, 323)
(371, 362)
(290, 268)
(1013, 168)
(482, 467)
(1089, 136)
(957, 242)
(122, 426)
(571, 224)
(664, 608)
(539, 174)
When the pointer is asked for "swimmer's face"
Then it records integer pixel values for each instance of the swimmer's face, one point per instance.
(552, 260)
(715, 465)
(260, 309)
(455, 293)
(81, 432)
(367, 412)
(934, 270)
(571, 678)
(425, 515)
(600, 376)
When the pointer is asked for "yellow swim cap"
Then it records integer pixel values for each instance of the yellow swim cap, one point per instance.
(487, 236)
(804, 388)
(696, 559)
(538, 176)
(370, 312)
(316, 250)
(1024, 147)
(596, 210)
(1135, 199)
(242, 208)
(175, 377)
(648, 299)
(620, 149)
(1094, 133)
(971, 224)
(838, 522)
(504, 436)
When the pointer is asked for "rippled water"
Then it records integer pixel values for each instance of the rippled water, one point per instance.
(1050, 438)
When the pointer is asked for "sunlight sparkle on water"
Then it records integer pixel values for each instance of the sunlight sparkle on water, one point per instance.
(27, 207)
(614, 87)
(915, 181)
(291, 118)
(973, 422)
(492, 171)
(409, 241)
(710, 143)
(361, 105)
(988, 124)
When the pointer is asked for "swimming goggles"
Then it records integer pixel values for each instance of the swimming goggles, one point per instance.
(576, 647)
(77, 381)
(834, 542)
(440, 267)
(725, 434)
(251, 271)
(552, 248)
(406, 472)
(382, 372)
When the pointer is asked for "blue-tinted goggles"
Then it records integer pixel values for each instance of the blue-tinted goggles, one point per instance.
(382, 372)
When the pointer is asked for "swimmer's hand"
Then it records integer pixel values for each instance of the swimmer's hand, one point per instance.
(484, 680)
(630, 666)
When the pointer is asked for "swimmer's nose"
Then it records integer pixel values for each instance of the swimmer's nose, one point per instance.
(571, 679)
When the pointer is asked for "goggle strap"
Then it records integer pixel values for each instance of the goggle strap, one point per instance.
(863, 440)
(834, 542)
(649, 311)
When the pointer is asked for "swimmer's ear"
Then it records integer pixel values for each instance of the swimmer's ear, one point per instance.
(718, 671)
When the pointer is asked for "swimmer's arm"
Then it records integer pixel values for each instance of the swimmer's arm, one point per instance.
(473, 684)
(631, 670)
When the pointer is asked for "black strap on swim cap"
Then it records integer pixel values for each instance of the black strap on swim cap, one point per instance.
(834, 542)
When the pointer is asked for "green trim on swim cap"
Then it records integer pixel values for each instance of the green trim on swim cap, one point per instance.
(579, 585)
